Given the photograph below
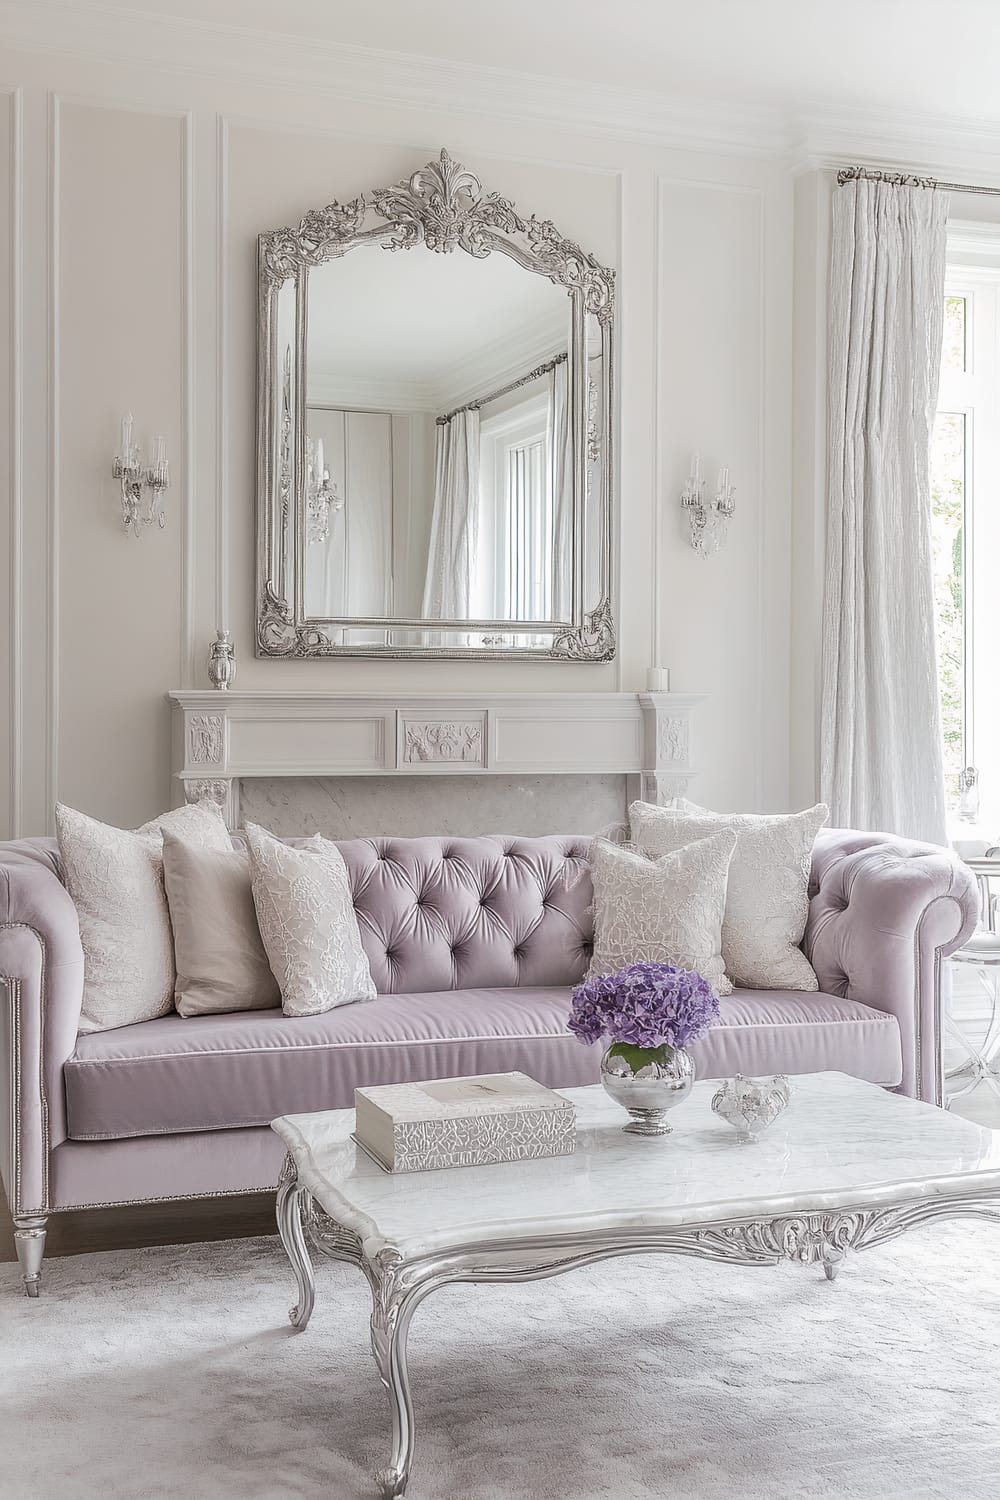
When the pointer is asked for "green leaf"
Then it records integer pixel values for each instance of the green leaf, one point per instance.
(639, 1057)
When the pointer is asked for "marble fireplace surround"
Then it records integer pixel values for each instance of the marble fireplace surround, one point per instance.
(627, 744)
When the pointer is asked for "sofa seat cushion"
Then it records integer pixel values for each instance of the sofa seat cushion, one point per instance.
(212, 1072)
(224, 1071)
(800, 1031)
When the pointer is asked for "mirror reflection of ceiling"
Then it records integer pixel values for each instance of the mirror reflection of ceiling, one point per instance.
(411, 330)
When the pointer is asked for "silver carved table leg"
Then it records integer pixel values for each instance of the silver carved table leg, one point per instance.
(394, 1301)
(288, 1210)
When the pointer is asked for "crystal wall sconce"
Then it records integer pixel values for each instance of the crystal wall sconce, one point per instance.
(128, 468)
(708, 520)
(322, 497)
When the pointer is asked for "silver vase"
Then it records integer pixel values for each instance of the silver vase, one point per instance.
(647, 1081)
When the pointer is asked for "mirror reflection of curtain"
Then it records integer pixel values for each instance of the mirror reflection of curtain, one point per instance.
(561, 481)
(454, 523)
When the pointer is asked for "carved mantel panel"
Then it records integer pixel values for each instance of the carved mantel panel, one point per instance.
(453, 742)
(220, 738)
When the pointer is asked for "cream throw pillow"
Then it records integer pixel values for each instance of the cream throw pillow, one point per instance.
(768, 900)
(661, 911)
(116, 880)
(220, 959)
(308, 924)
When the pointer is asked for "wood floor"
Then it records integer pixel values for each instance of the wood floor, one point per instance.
(150, 1224)
(236, 1218)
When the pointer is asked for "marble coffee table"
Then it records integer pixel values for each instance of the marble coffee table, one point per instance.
(847, 1167)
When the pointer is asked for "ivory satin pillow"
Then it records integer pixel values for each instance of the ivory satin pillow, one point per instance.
(768, 900)
(220, 959)
(116, 880)
(661, 911)
(308, 925)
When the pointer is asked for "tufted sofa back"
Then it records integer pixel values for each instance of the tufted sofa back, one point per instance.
(452, 913)
(457, 913)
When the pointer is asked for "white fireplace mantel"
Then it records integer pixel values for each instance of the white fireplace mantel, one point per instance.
(222, 737)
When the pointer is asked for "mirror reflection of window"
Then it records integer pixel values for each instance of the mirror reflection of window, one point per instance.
(514, 563)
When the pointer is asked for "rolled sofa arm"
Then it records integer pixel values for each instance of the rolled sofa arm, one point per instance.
(41, 990)
(883, 913)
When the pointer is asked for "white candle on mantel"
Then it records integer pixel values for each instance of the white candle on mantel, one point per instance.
(696, 468)
(126, 447)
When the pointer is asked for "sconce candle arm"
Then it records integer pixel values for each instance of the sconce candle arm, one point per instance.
(708, 521)
(134, 479)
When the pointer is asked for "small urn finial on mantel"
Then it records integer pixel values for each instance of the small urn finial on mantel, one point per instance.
(222, 661)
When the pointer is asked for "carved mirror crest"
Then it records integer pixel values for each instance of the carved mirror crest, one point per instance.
(434, 430)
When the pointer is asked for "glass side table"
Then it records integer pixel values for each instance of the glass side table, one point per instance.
(980, 956)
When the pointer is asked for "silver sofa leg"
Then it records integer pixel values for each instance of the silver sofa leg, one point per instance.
(29, 1242)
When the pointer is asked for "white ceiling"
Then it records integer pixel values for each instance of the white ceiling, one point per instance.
(430, 330)
(939, 58)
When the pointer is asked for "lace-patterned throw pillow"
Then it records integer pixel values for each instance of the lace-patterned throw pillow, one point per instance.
(768, 899)
(661, 911)
(116, 880)
(308, 924)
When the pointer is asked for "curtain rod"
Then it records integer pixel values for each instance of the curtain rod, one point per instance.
(504, 390)
(906, 179)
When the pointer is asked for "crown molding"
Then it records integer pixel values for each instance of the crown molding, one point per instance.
(925, 144)
(207, 49)
(820, 135)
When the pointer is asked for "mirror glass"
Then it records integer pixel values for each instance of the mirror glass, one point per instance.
(439, 462)
(438, 474)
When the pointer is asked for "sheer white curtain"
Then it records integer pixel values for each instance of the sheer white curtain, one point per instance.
(881, 764)
(561, 450)
(451, 554)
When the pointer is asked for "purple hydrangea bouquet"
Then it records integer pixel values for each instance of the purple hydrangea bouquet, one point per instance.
(649, 1013)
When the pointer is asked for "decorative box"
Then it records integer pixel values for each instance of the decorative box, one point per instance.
(462, 1122)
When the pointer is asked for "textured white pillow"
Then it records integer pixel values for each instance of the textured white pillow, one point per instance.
(308, 924)
(768, 900)
(116, 880)
(661, 911)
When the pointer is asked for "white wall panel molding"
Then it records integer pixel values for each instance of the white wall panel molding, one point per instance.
(15, 475)
(222, 602)
(30, 563)
(200, 48)
(189, 492)
(52, 449)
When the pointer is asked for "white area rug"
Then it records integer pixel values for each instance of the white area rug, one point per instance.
(173, 1372)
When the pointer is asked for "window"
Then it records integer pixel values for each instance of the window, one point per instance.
(965, 526)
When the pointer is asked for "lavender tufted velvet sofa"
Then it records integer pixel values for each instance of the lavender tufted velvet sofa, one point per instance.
(474, 945)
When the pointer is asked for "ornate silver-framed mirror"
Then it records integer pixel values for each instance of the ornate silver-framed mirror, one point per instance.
(434, 431)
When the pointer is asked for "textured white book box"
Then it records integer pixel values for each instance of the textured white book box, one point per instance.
(462, 1122)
